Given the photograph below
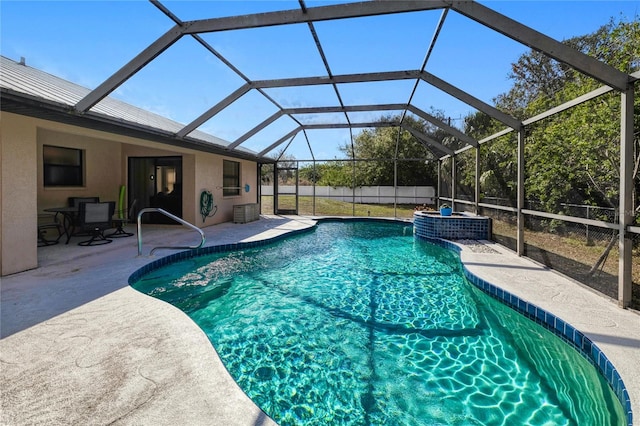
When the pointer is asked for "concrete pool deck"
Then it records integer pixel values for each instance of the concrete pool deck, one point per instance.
(79, 346)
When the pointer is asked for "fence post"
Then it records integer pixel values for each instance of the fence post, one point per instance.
(520, 192)
(589, 241)
(477, 181)
(626, 212)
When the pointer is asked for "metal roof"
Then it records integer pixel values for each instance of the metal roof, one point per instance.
(22, 82)
(18, 80)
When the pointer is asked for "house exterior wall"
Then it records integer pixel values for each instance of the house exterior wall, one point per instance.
(103, 168)
(18, 194)
(210, 179)
(23, 195)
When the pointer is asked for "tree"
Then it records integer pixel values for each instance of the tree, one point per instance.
(571, 157)
(372, 157)
(284, 161)
(380, 144)
(574, 157)
(536, 75)
(498, 161)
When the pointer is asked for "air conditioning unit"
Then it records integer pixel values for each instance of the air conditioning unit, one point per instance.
(243, 213)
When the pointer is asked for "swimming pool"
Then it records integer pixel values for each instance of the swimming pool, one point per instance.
(360, 323)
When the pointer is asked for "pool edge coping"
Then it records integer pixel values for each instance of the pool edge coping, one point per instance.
(559, 327)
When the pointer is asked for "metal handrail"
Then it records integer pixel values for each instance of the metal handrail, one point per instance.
(174, 217)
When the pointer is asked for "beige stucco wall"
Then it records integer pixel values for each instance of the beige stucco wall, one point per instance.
(18, 194)
(201, 171)
(102, 166)
(210, 179)
(23, 195)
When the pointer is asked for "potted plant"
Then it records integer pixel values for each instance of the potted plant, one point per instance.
(445, 210)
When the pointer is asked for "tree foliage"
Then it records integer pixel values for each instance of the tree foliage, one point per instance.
(537, 76)
(573, 156)
(378, 147)
(284, 161)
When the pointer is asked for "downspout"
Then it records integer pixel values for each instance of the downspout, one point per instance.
(259, 187)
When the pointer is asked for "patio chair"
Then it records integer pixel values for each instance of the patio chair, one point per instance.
(95, 218)
(122, 218)
(73, 221)
(47, 222)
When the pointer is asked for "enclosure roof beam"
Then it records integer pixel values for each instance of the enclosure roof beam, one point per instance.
(353, 78)
(432, 45)
(542, 43)
(312, 110)
(562, 107)
(237, 94)
(285, 148)
(132, 67)
(256, 129)
(388, 107)
(427, 139)
(350, 125)
(395, 75)
(214, 52)
(357, 108)
(346, 108)
(444, 126)
(312, 14)
(577, 101)
(471, 100)
(306, 138)
(293, 82)
(337, 79)
(274, 145)
(323, 56)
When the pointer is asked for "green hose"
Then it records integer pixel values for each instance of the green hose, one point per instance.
(207, 207)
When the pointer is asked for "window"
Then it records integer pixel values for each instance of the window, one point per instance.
(62, 166)
(230, 178)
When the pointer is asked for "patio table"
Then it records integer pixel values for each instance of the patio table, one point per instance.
(68, 219)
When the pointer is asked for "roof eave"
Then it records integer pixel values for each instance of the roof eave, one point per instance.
(27, 105)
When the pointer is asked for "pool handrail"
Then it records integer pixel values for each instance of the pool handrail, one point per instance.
(171, 216)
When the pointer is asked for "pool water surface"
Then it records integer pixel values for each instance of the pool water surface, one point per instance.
(359, 323)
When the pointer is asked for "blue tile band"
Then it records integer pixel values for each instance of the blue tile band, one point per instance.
(456, 227)
(189, 254)
(559, 327)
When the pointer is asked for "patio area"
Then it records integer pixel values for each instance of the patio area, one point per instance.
(79, 346)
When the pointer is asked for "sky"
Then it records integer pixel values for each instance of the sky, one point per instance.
(87, 41)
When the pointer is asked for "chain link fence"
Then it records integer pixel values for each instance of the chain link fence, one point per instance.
(585, 253)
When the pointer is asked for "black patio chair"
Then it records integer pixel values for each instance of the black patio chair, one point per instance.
(47, 223)
(95, 218)
(73, 221)
(122, 218)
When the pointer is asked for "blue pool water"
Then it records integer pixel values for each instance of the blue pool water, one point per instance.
(361, 324)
